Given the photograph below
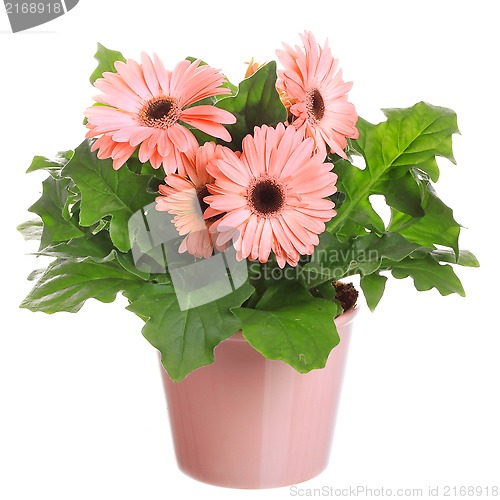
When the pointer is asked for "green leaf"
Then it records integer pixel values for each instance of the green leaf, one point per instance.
(373, 286)
(326, 291)
(107, 192)
(430, 168)
(330, 261)
(289, 324)
(106, 59)
(388, 246)
(360, 207)
(427, 274)
(50, 207)
(465, 258)
(277, 295)
(67, 284)
(31, 230)
(54, 165)
(402, 193)
(410, 138)
(97, 246)
(334, 259)
(127, 262)
(436, 227)
(256, 103)
(419, 133)
(186, 339)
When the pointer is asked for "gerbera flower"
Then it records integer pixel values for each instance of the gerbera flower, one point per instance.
(312, 85)
(184, 198)
(273, 195)
(145, 105)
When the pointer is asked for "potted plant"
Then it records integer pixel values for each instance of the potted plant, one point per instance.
(230, 217)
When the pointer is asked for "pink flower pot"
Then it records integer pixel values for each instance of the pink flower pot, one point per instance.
(248, 422)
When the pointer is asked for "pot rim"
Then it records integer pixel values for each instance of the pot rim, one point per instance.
(340, 321)
(347, 317)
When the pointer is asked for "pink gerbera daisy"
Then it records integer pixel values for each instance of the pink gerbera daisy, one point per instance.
(144, 104)
(312, 85)
(273, 195)
(184, 198)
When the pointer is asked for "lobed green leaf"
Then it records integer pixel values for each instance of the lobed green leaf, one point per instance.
(289, 324)
(186, 339)
(51, 209)
(31, 230)
(256, 103)
(334, 259)
(373, 286)
(67, 284)
(106, 59)
(107, 192)
(427, 273)
(394, 150)
(436, 227)
(54, 165)
(465, 258)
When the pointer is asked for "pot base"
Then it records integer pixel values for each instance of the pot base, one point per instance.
(249, 422)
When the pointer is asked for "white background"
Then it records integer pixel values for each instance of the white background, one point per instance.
(82, 409)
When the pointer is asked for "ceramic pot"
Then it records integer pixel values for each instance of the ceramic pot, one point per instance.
(249, 422)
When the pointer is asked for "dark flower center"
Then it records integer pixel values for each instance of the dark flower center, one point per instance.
(316, 104)
(159, 109)
(161, 112)
(267, 197)
(201, 194)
